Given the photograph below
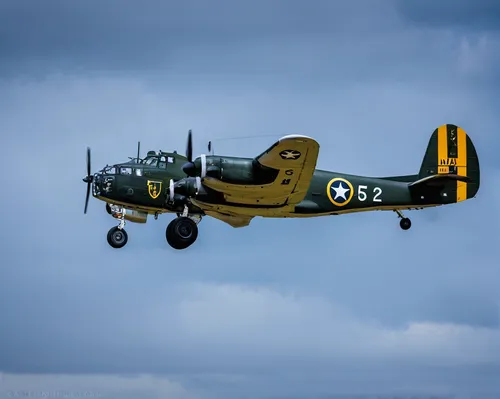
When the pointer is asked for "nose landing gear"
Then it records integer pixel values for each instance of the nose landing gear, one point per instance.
(117, 236)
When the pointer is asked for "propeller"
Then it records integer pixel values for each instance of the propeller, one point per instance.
(189, 149)
(189, 168)
(88, 179)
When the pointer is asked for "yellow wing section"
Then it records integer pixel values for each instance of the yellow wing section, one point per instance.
(234, 220)
(294, 157)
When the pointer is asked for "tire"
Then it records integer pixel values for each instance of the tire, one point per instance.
(117, 238)
(181, 232)
(405, 223)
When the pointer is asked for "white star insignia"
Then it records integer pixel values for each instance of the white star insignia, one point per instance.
(340, 191)
(290, 154)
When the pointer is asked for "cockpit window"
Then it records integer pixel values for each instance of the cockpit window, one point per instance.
(160, 161)
(125, 171)
(163, 162)
(109, 170)
(151, 161)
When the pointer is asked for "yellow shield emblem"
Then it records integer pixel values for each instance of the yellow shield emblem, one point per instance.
(154, 188)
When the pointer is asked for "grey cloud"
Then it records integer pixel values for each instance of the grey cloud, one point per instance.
(91, 386)
(233, 41)
(120, 35)
(465, 15)
(230, 386)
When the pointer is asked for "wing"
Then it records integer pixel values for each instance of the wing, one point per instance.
(294, 157)
(232, 220)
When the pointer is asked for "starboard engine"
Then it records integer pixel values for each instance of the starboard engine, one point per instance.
(230, 170)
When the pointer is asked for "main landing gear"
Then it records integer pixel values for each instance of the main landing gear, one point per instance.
(404, 223)
(183, 230)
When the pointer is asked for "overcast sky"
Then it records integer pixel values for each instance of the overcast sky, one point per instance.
(347, 304)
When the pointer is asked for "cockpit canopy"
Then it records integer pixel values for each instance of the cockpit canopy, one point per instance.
(160, 160)
(153, 160)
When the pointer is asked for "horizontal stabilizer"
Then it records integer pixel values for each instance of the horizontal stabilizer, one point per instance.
(439, 180)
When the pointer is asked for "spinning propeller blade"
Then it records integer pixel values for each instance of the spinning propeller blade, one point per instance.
(88, 179)
(189, 168)
(88, 161)
(189, 149)
(87, 199)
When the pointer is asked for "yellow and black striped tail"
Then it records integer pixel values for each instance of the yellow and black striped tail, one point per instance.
(451, 152)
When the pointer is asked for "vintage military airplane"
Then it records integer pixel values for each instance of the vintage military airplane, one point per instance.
(282, 182)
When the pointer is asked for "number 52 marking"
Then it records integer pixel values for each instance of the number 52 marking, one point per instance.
(377, 191)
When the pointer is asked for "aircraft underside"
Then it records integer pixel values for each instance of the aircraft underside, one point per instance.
(182, 231)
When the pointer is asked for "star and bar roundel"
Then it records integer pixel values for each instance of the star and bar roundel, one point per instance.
(290, 154)
(339, 191)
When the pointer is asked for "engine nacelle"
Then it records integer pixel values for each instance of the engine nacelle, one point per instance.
(189, 187)
(181, 190)
(231, 170)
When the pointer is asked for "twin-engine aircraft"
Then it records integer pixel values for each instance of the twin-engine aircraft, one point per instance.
(282, 182)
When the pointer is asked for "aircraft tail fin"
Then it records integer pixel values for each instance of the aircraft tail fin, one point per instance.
(450, 159)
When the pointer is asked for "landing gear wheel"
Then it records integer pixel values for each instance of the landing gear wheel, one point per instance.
(181, 232)
(405, 223)
(117, 238)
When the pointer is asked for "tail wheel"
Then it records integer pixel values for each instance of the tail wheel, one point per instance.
(405, 223)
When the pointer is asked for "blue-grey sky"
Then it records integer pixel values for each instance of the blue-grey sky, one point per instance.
(334, 305)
